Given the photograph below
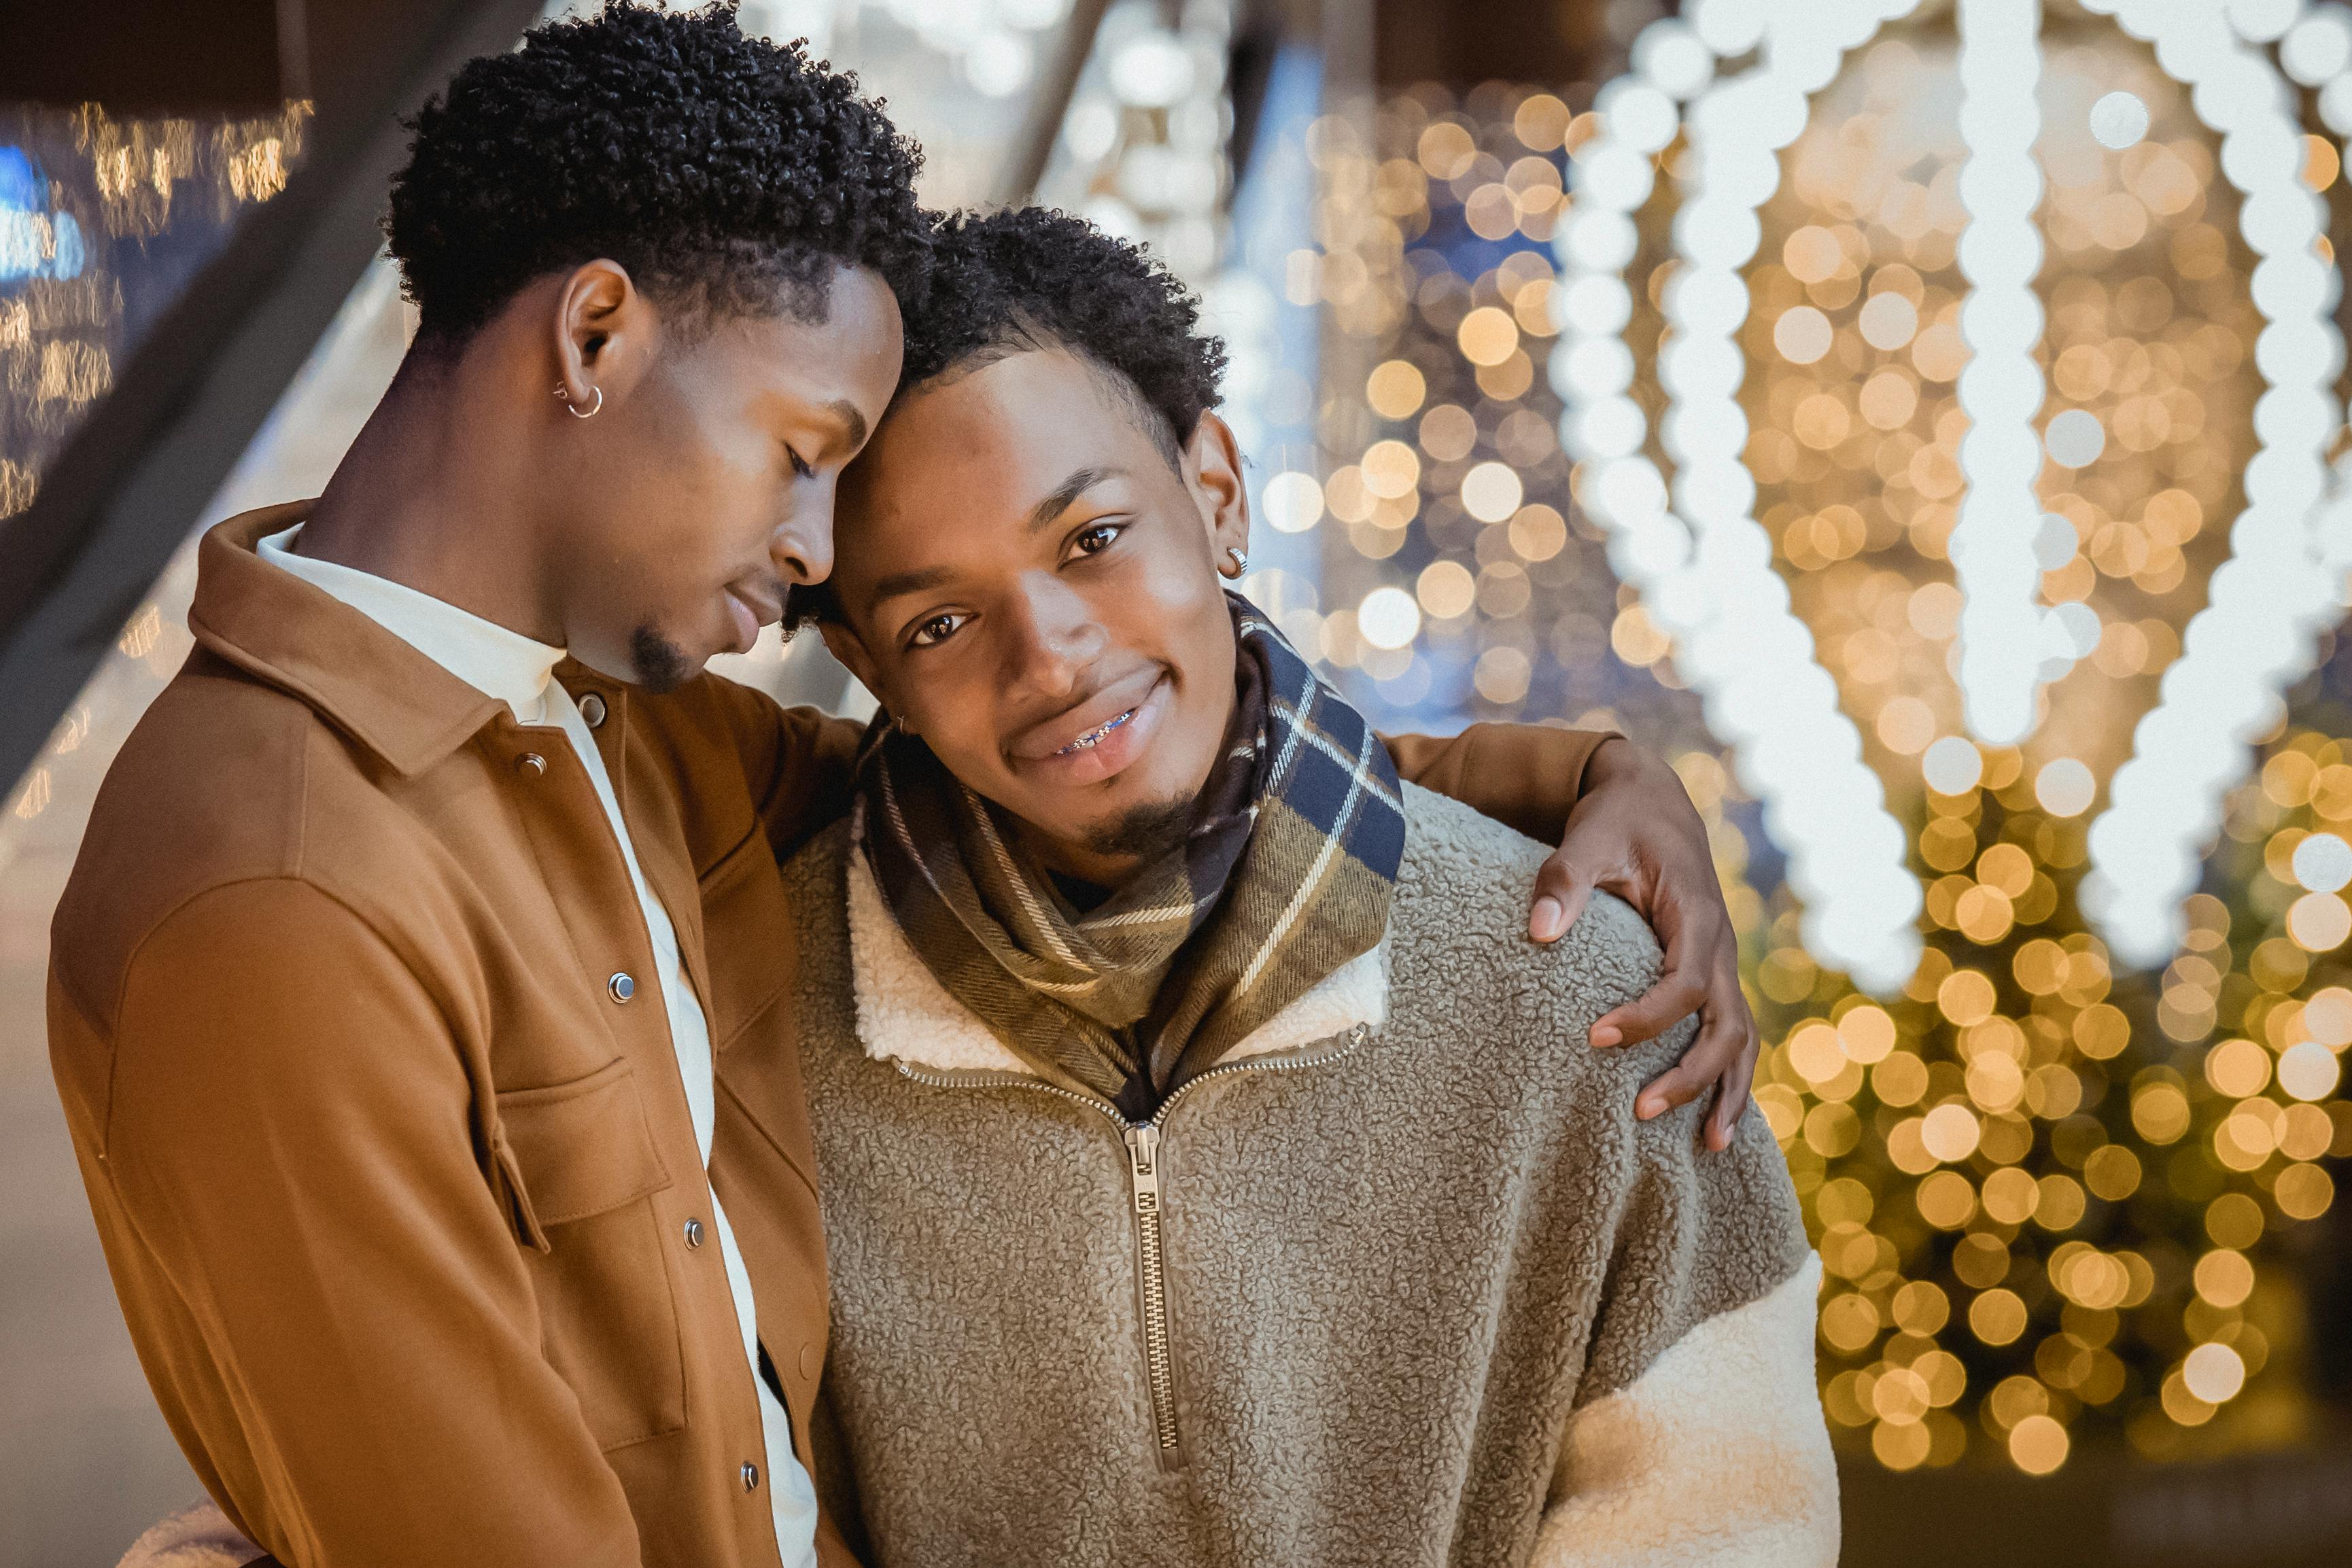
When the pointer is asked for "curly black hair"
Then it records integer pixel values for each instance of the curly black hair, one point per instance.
(1004, 283)
(727, 173)
(1030, 277)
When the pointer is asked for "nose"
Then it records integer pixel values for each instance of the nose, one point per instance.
(1054, 638)
(800, 547)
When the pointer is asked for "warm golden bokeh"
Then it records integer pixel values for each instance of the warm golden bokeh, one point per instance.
(2054, 1201)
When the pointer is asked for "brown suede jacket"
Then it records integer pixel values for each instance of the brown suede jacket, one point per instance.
(401, 1200)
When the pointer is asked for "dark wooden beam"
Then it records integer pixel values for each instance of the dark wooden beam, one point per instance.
(134, 479)
(150, 57)
(1461, 43)
(1041, 123)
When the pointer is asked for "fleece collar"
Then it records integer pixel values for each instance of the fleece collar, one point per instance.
(904, 1015)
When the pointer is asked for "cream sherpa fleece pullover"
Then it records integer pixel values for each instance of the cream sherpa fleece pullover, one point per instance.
(1401, 1282)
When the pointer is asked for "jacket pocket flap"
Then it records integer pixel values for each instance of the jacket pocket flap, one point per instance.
(579, 1148)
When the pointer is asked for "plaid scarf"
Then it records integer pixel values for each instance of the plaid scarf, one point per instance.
(1284, 873)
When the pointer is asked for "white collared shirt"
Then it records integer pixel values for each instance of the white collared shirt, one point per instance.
(520, 672)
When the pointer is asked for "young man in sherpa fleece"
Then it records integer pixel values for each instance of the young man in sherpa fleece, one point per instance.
(1211, 1176)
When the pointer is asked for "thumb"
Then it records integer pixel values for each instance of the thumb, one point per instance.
(1562, 889)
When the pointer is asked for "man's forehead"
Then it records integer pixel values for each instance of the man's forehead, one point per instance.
(852, 344)
(1026, 420)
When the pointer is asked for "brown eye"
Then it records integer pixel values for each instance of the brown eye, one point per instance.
(937, 630)
(1093, 540)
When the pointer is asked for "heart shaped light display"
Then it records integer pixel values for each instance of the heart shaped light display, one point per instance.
(1737, 78)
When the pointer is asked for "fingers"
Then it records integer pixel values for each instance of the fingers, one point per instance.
(1723, 1055)
(1731, 1097)
(1676, 996)
(1715, 1055)
(1562, 889)
(1680, 1084)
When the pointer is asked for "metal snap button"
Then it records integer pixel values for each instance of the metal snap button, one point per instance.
(591, 710)
(751, 1475)
(694, 1233)
(622, 986)
(531, 762)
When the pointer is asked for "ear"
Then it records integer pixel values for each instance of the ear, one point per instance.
(844, 645)
(606, 333)
(1212, 471)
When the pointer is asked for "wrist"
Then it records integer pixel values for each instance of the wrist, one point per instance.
(1614, 759)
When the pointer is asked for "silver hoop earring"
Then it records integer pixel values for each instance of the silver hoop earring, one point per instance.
(1241, 562)
(564, 396)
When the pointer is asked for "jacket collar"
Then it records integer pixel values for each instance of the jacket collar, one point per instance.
(359, 677)
(904, 1015)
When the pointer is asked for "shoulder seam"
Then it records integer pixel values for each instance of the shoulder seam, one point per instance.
(139, 948)
(112, 1030)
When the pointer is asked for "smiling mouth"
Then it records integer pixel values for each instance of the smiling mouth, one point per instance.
(1096, 735)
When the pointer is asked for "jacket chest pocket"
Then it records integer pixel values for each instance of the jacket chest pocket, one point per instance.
(582, 1176)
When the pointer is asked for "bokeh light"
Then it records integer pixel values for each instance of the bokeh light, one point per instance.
(2041, 1178)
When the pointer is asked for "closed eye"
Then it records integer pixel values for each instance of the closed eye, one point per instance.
(799, 464)
(938, 629)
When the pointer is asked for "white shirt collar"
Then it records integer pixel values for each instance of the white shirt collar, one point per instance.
(488, 657)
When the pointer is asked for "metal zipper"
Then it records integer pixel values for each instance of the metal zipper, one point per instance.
(1142, 1140)
(1151, 1282)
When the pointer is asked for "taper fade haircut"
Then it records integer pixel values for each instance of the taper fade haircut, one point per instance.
(727, 175)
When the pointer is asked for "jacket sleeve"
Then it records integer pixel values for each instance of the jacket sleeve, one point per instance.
(1525, 776)
(326, 1291)
(1696, 1435)
(800, 762)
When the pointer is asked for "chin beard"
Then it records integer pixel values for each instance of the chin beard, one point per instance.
(661, 664)
(1144, 833)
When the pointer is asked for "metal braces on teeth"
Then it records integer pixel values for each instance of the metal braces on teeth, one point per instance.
(1095, 737)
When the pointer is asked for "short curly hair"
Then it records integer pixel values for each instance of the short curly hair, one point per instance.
(1007, 282)
(1030, 277)
(728, 174)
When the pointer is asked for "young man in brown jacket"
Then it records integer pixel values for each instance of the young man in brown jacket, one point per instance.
(394, 998)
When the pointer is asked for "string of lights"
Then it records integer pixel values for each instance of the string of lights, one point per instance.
(1705, 569)
(2264, 605)
(2003, 648)
(2057, 1201)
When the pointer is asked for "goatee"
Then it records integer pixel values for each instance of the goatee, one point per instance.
(1144, 833)
(661, 664)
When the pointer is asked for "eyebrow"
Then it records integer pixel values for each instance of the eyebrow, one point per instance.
(914, 581)
(847, 413)
(1044, 513)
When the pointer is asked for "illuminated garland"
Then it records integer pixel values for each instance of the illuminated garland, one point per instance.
(1704, 567)
(1702, 564)
(2002, 633)
(2264, 605)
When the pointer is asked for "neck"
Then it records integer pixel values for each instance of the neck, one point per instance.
(436, 494)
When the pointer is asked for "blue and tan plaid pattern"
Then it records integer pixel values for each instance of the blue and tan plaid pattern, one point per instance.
(1285, 874)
